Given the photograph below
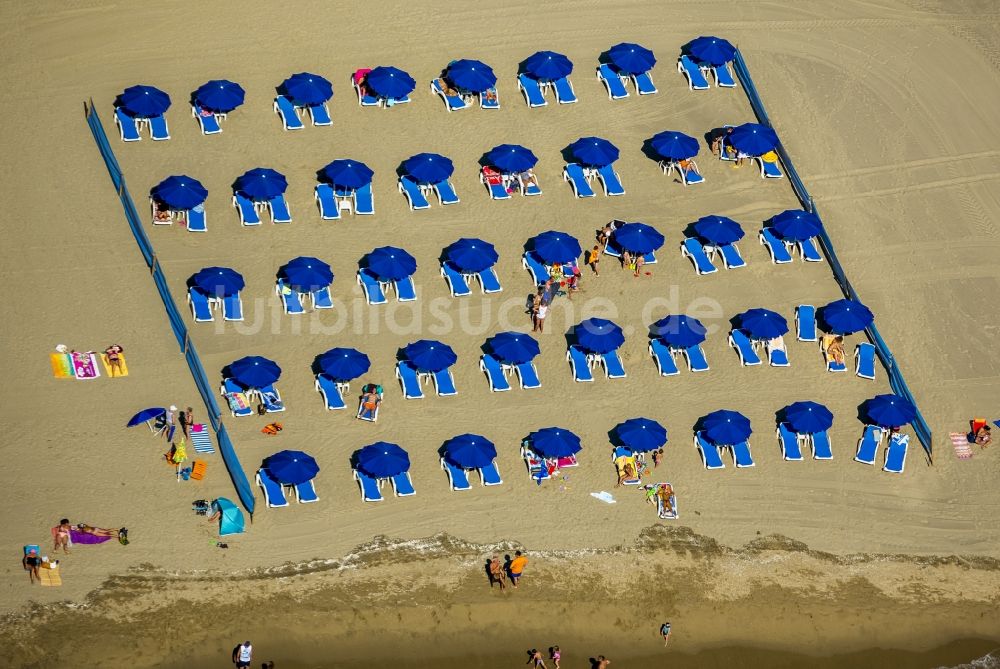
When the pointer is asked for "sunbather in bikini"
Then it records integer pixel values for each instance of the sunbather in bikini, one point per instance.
(96, 531)
(60, 534)
(835, 350)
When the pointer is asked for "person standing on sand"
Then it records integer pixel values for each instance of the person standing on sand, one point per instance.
(535, 656)
(516, 567)
(243, 655)
(665, 633)
(602, 662)
(497, 574)
(556, 655)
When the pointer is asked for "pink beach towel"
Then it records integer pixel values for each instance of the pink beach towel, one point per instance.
(960, 442)
(85, 365)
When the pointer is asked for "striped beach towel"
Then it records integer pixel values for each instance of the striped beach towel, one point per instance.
(960, 442)
(200, 439)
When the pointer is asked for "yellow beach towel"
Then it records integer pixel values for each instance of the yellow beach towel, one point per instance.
(62, 365)
(107, 366)
(50, 577)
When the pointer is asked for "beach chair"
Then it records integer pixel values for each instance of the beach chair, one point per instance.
(128, 128)
(612, 82)
(644, 83)
(537, 469)
(539, 272)
(322, 299)
(895, 454)
(446, 192)
(331, 392)
(864, 360)
(444, 383)
(158, 128)
(233, 392)
(580, 363)
(232, 307)
(831, 364)
(274, 494)
(368, 414)
(574, 175)
(821, 446)
(689, 176)
(289, 115)
(364, 201)
(488, 281)
(696, 359)
(458, 478)
(531, 90)
(566, 461)
(414, 195)
(196, 219)
(531, 189)
(777, 355)
(696, 80)
(612, 364)
(789, 443)
(369, 487)
(409, 381)
(609, 179)
(306, 492)
(209, 123)
(405, 291)
(402, 486)
(451, 102)
(768, 169)
(279, 210)
(290, 299)
(731, 256)
(663, 358)
(741, 344)
(723, 77)
(456, 281)
(868, 445)
(692, 248)
(527, 375)
(494, 183)
(805, 322)
(709, 452)
(490, 474)
(371, 286)
(775, 247)
(808, 251)
(741, 454)
(489, 99)
(201, 306)
(271, 399)
(246, 209)
(564, 91)
(327, 203)
(494, 372)
(365, 97)
(320, 114)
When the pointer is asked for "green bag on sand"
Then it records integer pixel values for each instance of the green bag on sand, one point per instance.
(123, 536)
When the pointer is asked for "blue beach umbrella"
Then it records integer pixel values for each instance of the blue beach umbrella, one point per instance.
(680, 331)
(638, 237)
(261, 183)
(796, 225)
(254, 371)
(143, 101)
(554, 442)
(598, 335)
(343, 364)
(307, 89)
(557, 247)
(470, 451)
(890, 410)
(219, 95)
(471, 75)
(514, 348)
(390, 82)
(428, 355)
(641, 434)
(471, 255)
(808, 417)
(726, 427)
(846, 316)
(674, 145)
(711, 50)
(594, 151)
(145, 416)
(391, 264)
(348, 173)
(382, 460)
(511, 158)
(292, 467)
(308, 274)
(230, 519)
(762, 323)
(218, 281)
(632, 58)
(179, 192)
(429, 168)
(753, 139)
(548, 65)
(718, 229)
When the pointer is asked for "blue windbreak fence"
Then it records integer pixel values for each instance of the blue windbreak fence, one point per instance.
(896, 381)
(243, 489)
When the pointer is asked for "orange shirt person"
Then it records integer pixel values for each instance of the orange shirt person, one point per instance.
(516, 567)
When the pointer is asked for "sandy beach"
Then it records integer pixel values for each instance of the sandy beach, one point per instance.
(886, 111)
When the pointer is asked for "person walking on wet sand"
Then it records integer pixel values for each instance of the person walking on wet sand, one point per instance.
(602, 662)
(497, 574)
(665, 633)
(535, 656)
(243, 655)
(516, 567)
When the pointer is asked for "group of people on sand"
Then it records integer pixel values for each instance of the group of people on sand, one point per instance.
(513, 568)
(488, 96)
(633, 262)
(662, 496)
(720, 145)
(559, 279)
(62, 538)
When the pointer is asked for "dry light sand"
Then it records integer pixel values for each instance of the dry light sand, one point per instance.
(886, 108)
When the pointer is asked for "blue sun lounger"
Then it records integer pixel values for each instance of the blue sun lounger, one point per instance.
(247, 210)
(777, 355)
(895, 454)
(821, 446)
(306, 493)
(158, 128)
(709, 452)
(613, 82)
(405, 291)
(723, 77)
(274, 494)
(415, 196)
(371, 286)
(539, 272)
(402, 486)
(451, 102)
(446, 192)
(495, 184)
(209, 123)
(232, 307)
(490, 474)
(689, 176)
(531, 90)
(458, 478)
(320, 115)
(444, 383)
(696, 80)
(741, 344)
(573, 174)
(488, 281)
(456, 280)
(580, 364)
(127, 126)
(741, 454)
(609, 179)
(327, 203)
(489, 101)
(527, 375)
(530, 190)
(775, 247)
(290, 299)
(201, 306)
(696, 359)
(805, 322)
(409, 381)
(809, 252)
(369, 487)
(279, 210)
(864, 360)
(330, 390)
(612, 364)
(789, 442)
(196, 219)
(868, 445)
(284, 108)
(731, 257)
(564, 91)
(644, 83)
(494, 373)
(692, 248)
(321, 298)
(230, 387)
(364, 202)
(663, 357)
(768, 169)
(271, 398)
